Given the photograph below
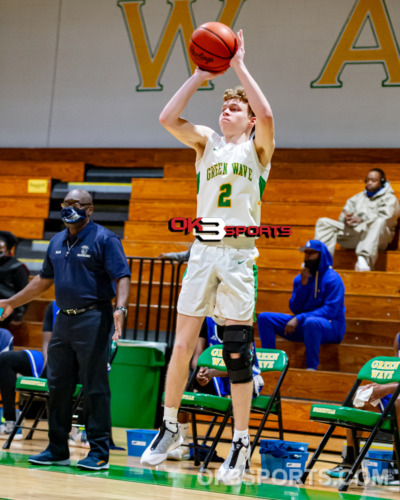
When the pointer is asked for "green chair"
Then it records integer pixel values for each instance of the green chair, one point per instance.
(381, 370)
(207, 404)
(270, 360)
(36, 389)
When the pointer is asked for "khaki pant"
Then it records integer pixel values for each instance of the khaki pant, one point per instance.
(366, 243)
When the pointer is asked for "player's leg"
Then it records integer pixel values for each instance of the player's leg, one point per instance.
(168, 437)
(235, 301)
(183, 451)
(198, 291)
(238, 357)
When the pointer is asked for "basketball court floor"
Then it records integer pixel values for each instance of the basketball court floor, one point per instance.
(126, 479)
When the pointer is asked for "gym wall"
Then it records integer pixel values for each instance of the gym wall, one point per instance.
(96, 73)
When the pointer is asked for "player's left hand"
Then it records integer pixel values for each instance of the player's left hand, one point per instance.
(118, 324)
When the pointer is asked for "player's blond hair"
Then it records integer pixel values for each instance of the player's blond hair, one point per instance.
(238, 93)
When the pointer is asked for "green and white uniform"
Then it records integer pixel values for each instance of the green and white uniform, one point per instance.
(230, 182)
(220, 279)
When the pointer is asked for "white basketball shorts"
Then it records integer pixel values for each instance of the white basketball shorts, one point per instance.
(219, 281)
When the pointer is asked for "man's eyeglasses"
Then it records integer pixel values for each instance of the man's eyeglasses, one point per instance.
(74, 204)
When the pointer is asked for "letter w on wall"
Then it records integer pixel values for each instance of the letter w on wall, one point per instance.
(179, 24)
(347, 51)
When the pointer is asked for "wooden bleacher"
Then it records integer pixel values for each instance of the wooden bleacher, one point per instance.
(303, 185)
(24, 203)
(296, 195)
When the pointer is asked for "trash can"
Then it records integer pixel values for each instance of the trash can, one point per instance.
(134, 383)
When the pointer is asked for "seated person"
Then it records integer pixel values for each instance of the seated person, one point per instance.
(317, 304)
(208, 381)
(28, 363)
(383, 393)
(367, 222)
(14, 276)
(6, 340)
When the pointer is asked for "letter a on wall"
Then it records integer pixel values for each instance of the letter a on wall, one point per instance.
(348, 50)
(179, 25)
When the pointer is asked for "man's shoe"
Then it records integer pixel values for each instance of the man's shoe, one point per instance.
(46, 458)
(362, 264)
(92, 463)
(339, 471)
(166, 440)
(232, 470)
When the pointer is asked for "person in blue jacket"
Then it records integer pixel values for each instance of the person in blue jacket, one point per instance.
(317, 304)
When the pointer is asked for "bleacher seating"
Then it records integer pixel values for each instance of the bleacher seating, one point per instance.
(296, 195)
(303, 186)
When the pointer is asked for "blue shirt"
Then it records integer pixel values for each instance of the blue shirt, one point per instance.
(86, 273)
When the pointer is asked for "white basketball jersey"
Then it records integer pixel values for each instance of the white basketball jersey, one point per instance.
(230, 182)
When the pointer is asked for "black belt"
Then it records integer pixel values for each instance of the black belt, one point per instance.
(74, 312)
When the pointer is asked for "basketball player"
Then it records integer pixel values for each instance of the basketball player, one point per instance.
(232, 171)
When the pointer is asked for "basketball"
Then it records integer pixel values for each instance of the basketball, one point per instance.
(212, 46)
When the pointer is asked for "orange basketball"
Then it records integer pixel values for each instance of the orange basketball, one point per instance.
(212, 46)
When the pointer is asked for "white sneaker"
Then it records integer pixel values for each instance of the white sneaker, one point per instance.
(78, 438)
(180, 453)
(6, 429)
(362, 264)
(165, 441)
(232, 470)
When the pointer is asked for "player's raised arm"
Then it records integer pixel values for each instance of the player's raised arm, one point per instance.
(194, 136)
(264, 138)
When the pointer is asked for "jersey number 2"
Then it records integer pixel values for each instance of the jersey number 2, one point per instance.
(226, 191)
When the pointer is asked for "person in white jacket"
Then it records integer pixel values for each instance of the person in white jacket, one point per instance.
(367, 222)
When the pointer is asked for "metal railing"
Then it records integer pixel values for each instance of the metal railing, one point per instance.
(155, 285)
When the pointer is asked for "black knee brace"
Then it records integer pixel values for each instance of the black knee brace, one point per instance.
(238, 339)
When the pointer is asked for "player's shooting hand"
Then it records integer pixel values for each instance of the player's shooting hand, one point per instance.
(239, 56)
(207, 75)
(118, 324)
(291, 326)
(305, 275)
(203, 376)
(7, 309)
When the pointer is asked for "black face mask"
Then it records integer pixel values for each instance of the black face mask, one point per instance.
(312, 265)
(4, 257)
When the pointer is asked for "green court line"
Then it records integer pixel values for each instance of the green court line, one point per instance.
(188, 481)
